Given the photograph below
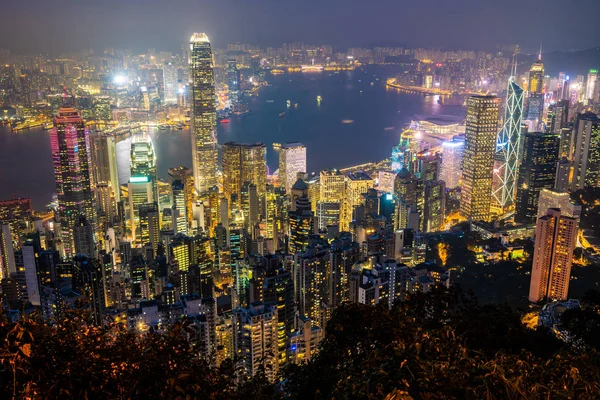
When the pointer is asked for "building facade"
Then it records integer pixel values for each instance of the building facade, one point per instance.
(205, 154)
(478, 159)
(555, 239)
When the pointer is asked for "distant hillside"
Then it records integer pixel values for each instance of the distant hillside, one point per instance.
(577, 62)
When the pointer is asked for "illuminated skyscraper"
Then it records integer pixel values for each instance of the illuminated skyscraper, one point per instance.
(149, 225)
(537, 172)
(451, 169)
(292, 159)
(536, 96)
(233, 82)
(255, 339)
(205, 156)
(83, 237)
(434, 209)
(555, 239)
(244, 163)
(170, 82)
(508, 145)
(179, 207)
(71, 158)
(184, 175)
(143, 158)
(357, 184)
(104, 163)
(478, 160)
(141, 191)
(301, 223)
(332, 188)
(554, 199)
(586, 159)
(590, 89)
(7, 254)
(558, 116)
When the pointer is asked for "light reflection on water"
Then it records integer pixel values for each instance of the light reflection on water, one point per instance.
(26, 164)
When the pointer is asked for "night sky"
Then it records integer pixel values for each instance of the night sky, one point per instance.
(54, 26)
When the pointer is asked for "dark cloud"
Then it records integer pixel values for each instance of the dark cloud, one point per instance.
(63, 25)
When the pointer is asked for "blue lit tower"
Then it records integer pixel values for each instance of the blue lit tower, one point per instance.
(508, 144)
(400, 152)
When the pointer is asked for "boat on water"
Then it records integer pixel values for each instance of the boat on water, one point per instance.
(269, 101)
(224, 121)
(311, 68)
(48, 125)
(347, 121)
(282, 114)
(162, 127)
(242, 114)
(276, 146)
(26, 125)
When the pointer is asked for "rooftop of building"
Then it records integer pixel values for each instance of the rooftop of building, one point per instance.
(199, 37)
(67, 115)
(236, 144)
(290, 145)
(359, 176)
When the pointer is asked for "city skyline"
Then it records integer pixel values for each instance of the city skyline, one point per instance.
(439, 23)
(247, 208)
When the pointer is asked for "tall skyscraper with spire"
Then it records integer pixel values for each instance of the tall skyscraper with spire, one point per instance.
(535, 88)
(508, 143)
(205, 157)
(71, 158)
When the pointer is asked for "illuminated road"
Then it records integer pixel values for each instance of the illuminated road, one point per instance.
(416, 89)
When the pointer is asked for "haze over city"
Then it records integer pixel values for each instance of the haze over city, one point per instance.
(138, 24)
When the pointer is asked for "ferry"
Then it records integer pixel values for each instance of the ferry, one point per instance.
(311, 68)
(276, 146)
(28, 124)
(224, 121)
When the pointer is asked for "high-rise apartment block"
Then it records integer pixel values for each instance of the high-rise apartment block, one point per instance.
(555, 239)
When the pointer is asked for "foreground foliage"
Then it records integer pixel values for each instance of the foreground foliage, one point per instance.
(437, 346)
(74, 360)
